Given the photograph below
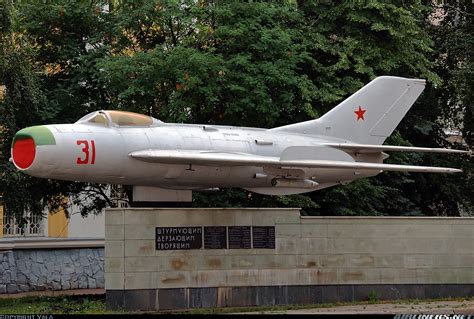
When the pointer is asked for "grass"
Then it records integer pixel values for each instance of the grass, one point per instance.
(54, 305)
(96, 305)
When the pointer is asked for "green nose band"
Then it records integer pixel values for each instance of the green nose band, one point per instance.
(40, 134)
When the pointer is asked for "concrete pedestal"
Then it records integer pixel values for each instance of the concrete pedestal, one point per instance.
(231, 257)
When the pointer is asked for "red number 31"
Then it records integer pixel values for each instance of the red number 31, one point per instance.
(86, 152)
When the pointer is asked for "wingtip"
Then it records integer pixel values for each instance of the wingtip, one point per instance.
(460, 151)
(412, 80)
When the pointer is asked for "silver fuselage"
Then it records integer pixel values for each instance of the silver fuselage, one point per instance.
(109, 162)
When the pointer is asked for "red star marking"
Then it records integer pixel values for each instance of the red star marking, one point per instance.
(360, 114)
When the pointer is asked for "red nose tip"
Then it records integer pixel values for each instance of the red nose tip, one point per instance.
(24, 151)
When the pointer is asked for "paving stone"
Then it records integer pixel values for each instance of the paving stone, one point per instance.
(21, 264)
(91, 283)
(23, 288)
(95, 268)
(41, 281)
(74, 284)
(100, 280)
(6, 276)
(35, 268)
(88, 270)
(66, 285)
(12, 288)
(82, 281)
(21, 278)
(56, 285)
(43, 270)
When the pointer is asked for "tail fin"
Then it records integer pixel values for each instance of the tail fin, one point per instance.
(369, 115)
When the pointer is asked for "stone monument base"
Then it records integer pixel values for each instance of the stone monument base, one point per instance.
(165, 258)
(182, 298)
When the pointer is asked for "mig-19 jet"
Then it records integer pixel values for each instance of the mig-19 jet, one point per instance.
(118, 147)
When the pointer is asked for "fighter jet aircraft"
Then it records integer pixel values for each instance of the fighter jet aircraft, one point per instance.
(126, 148)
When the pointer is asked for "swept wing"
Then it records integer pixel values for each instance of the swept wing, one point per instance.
(209, 158)
(368, 148)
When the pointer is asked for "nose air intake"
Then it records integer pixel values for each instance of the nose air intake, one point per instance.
(25, 143)
(24, 152)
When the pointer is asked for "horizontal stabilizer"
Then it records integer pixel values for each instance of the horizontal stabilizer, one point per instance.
(209, 158)
(369, 148)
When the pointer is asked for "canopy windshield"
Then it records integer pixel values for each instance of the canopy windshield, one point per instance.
(119, 118)
(122, 118)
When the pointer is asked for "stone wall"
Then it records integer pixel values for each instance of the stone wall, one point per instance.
(316, 259)
(51, 269)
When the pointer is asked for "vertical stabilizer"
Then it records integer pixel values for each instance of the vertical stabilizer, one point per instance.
(368, 116)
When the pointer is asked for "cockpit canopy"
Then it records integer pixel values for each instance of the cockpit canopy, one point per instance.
(119, 118)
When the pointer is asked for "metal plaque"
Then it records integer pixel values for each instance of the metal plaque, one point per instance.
(178, 238)
(263, 237)
(215, 237)
(239, 237)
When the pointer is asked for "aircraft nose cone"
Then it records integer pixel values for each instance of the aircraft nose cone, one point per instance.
(25, 143)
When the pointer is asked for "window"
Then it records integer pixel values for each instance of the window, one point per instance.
(122, 118)
(100, 118)
(118, 118)
(32, 227)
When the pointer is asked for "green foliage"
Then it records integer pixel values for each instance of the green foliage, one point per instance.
(362, 197)
(350, 43)
(243, 70)
(54, 305)
(19, 107)
(355, 42)
(229, 198)
(261, 64)
(67, 37)
(447, 105)
(45, 81)
(454, 40)
(373, 298)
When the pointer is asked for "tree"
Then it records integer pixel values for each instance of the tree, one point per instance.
(262, 64)
(19, 107)
(451, 28)
(353, 42)
(241, 67)
(42, 66)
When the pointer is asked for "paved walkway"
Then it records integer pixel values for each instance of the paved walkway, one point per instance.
(438, 307)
